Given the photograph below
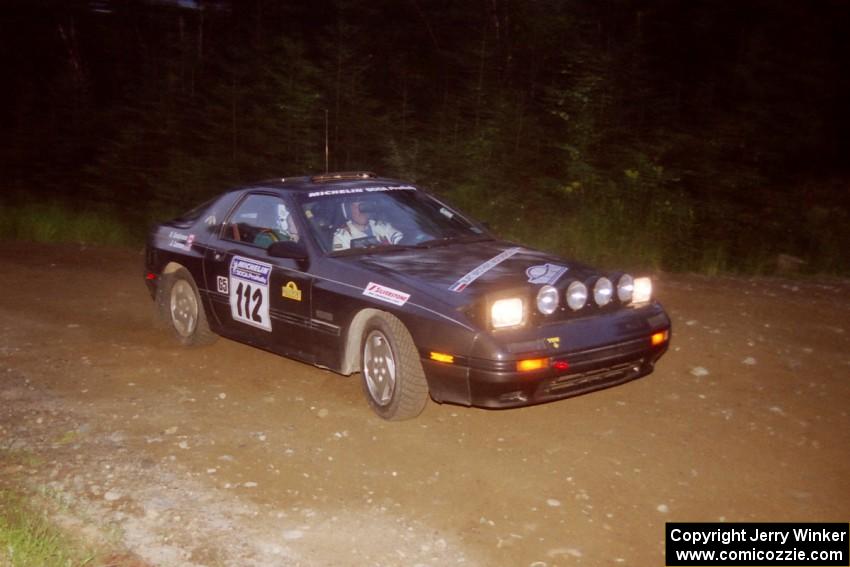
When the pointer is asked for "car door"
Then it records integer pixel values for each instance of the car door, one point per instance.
(259, 299)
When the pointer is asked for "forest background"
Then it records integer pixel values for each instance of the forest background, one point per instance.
(678, 135)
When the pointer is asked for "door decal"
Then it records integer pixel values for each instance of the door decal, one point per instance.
(291, 291)
(249, 292)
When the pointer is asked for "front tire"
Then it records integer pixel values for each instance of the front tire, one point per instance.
(181, 309)
(391, 374)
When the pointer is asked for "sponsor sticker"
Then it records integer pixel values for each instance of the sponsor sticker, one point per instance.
(554, 342)
(221, 284)
(250, 270)
(180, 241)
(463, 282)
(387, 294)
(355, 190)
(545, 274)
(248, 288)
(291, 291)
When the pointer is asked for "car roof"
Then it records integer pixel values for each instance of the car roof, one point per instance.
(320, 182)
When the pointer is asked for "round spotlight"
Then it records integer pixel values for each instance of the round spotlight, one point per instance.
(576, 295)
(603, 291)
(625, 288)
(547, 299)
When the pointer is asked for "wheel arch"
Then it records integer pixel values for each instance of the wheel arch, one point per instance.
(172, 267)
(351, 354)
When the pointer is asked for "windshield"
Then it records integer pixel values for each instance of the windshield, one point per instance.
(373, 218)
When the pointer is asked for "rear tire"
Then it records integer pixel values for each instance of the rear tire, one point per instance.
(391, 373)
(180, 308)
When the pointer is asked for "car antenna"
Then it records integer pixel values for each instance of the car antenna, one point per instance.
(327, 147)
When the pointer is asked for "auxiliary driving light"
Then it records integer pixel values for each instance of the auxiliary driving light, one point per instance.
(602, 292)
(625, 288)
(576, 295)
(547, 299)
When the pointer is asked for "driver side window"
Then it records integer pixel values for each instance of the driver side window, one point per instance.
(261, 220)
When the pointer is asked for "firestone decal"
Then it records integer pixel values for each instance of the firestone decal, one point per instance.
(463, 282)
(387, 294)
(545, 274)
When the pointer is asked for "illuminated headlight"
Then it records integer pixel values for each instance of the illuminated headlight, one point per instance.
(576, 295)
(625, 288)
(603, 291)
(547, 299)
(506, 312)
(643, 290)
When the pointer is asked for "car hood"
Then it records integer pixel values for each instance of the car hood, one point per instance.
(460, 273)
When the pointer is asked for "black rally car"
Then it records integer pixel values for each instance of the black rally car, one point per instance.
(357, 273)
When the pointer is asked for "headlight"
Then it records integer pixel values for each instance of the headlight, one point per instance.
(547, 299)
(603, 291)
(643, 290)
(625, 288)
(576, 295)
(506, 312)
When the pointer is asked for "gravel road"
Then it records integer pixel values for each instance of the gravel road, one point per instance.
(228, 455)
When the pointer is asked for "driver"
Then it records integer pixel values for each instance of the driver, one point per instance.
(360, 224)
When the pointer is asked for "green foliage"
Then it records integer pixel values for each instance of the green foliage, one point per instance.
(28, 540)
(61, 223)
(656, 135)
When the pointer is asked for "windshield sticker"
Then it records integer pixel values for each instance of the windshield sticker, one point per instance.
(446, 213)
(249, 292)
(387, 294)
(355, 190)
(545, 274)
(463, 282)
(181, 241)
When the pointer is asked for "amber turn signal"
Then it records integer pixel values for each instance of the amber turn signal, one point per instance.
(440, 357)
(530, 364)
(660, 337)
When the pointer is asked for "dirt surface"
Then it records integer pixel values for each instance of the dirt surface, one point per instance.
(228, 455)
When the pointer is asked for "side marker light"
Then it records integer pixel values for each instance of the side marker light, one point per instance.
(659, 338)
(440, 357)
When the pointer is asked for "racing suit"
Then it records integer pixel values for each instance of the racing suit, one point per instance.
(383, 232)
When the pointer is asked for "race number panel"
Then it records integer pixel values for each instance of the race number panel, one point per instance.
(249, 292)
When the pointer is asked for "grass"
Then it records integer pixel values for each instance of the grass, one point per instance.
(56, 222)
(635, 233)
(27, 539)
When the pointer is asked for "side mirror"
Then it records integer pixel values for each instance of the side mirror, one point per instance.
(288, 249)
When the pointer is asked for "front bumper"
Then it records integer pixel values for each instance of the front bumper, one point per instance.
(497, 384)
